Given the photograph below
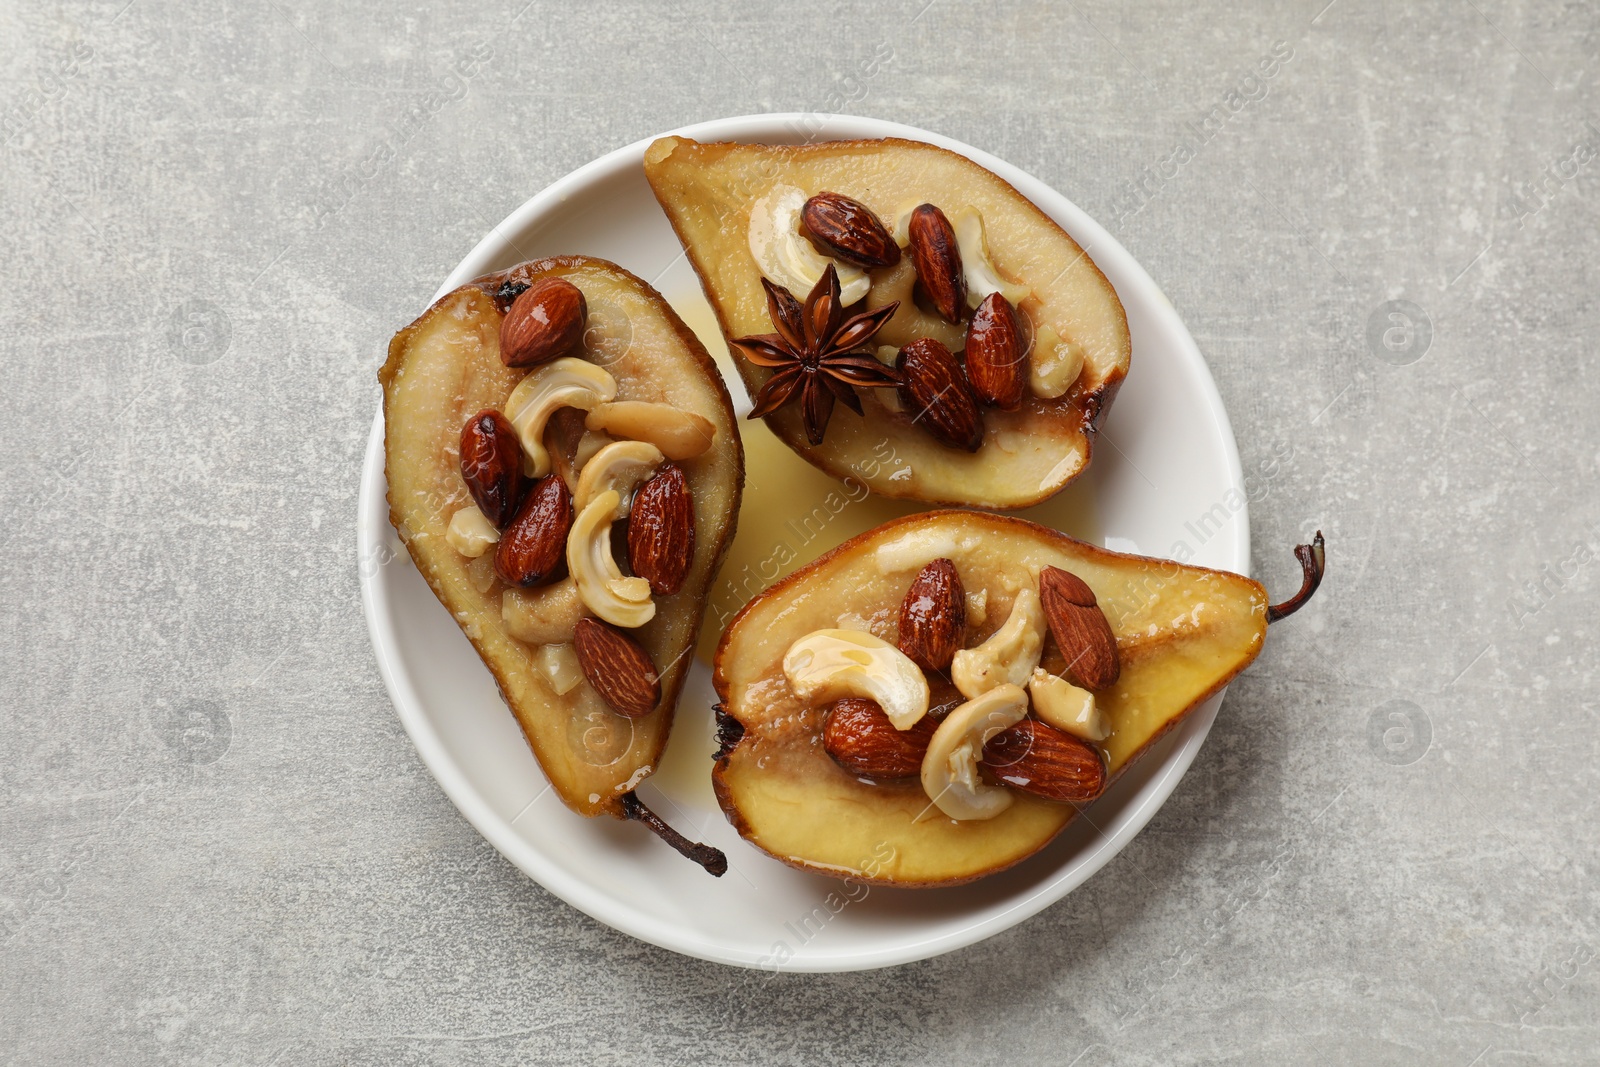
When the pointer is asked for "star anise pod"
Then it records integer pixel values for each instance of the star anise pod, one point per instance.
(817, 355)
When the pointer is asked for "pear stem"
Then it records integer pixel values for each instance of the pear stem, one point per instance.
(712, 859)
(1313, 563)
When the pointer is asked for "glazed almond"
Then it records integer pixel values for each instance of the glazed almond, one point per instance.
(661, 530)
(1080, 628)
(933, 616)
(938, 261)
(618, 668)
(491, 465)
(861, 739)
(936, 395)
(997, 361)
(533, 547)
(849, 230)
(1045, 762)
(545, 321)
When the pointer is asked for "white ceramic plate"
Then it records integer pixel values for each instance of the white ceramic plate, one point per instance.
(1162, 476)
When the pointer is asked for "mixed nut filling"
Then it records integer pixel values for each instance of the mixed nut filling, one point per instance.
(548, 513)
(928, 285)
(1009, 724)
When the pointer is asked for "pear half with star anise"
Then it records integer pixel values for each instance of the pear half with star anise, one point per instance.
(1000, 343)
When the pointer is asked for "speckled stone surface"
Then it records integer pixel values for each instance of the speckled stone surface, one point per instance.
(217, 844)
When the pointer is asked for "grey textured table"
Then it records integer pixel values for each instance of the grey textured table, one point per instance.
(217, 845)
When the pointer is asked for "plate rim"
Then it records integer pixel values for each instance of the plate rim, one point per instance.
(373, 536)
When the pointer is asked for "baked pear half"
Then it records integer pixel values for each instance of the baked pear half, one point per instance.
(966, 330)
(564, 468)
(932, 701)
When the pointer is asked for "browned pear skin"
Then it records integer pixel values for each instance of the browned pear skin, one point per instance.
(785, 794)
(445, 367)
(707, 191)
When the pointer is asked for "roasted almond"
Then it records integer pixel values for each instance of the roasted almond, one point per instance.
(533, 548)
(936, 396)
(1046, 762)
(617, 667)
(661, 530)
(937, 257)
(1080, 628)
(933, 616)
(847, 229)
(862, 740)
(491, 465)
(546, 321)
(1029, 756)
(997, 364)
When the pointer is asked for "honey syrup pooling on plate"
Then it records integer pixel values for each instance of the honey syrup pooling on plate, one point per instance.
(792, 512)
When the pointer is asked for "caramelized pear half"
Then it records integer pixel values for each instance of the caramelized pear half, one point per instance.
(446, 366)
(708, 191)
(1182, 632)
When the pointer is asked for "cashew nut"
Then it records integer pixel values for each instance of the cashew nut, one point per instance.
(950, 766)
(897, 284)
(623, 602)
(568, 382)
(786, 258)
(1010, 654)
(545, 615)
(604, 494)
(622, 466)
(471, 533)
(901, 231)
(560, 667)
(590, 443)
(828, 664)
(982, 278)
(1053, 363)
(915, 550)
(977, 606)
(1059, 703)
(679, 434)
